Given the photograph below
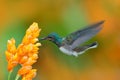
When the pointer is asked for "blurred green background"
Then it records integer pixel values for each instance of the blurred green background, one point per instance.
(64, 17)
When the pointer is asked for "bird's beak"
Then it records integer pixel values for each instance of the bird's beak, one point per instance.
(45, 38)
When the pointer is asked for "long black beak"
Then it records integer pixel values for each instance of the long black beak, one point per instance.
(41, 39)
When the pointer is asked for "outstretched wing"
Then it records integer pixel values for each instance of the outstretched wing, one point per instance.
(78, 37)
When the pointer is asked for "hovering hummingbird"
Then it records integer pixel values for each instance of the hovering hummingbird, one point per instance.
(70, 44)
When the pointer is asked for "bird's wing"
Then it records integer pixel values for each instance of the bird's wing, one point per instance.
(78, 37)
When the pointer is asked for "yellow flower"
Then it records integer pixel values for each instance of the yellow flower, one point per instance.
(31, 74)
(10, 54)
(24, 70)
(26, 54)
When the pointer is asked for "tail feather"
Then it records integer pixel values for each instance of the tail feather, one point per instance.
(82, 49)
(93, 45)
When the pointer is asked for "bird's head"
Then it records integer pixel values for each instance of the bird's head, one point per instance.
(53, 37)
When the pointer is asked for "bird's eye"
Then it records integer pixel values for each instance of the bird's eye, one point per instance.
(50, 38)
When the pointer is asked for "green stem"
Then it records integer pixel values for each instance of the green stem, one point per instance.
(9, 75)
(17, 77)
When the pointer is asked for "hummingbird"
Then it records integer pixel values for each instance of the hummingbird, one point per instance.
(71, 44)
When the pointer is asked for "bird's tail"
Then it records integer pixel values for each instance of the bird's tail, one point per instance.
(82, 49)
(93, 45)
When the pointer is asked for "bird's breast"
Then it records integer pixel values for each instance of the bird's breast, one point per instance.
(68, 51)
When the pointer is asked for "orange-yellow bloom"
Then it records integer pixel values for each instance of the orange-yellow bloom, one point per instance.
(31, 74)
(10, 54)
(26, 54)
